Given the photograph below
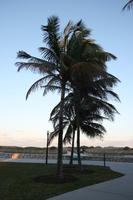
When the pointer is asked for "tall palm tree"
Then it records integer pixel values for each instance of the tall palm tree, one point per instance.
(128, 5)
(53, 70)
(87, 61)
(90, 65)
(88, 68)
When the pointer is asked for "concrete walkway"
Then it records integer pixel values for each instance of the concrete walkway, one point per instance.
(117, 189)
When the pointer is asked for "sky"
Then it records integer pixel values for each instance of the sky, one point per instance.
(25, 123)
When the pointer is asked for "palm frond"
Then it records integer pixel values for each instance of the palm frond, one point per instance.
(128, 5)
(68, 28)
(113, 95)
(23, 55)
(54, 111)
(35, 86)
(107, 108)
(49, 54)
(51, 88)
(105, 56)
(92, 131)
(55, 133)
(51, 34)
(68, 135)
(66, 33)
(41, 68)
(108, 81)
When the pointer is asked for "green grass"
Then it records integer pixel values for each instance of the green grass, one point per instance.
(17, 180)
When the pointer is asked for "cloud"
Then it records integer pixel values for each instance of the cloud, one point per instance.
(19, 131)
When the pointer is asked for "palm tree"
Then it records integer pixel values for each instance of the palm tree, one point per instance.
(53, 70)
(54, 67)
(89, 66)
(69, 122)
(128, 5)
(89, 115)
(87, 124)
(96, 93)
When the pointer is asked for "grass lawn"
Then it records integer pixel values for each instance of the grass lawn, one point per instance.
(17, 180)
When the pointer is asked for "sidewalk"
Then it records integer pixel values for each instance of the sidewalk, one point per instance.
(117, 189)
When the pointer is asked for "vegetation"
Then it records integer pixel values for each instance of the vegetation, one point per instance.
(16, 149)
(18, 180)
(89, 118)
(73, 63)
(128, 5)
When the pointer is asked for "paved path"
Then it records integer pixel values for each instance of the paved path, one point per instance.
(117, 189)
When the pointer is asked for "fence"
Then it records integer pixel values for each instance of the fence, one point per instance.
(53, 156)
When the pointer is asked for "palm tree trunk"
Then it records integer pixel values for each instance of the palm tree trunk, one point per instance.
(78, 147)
(72, 150)
(60, 137)
(47, 148)
(77, 107)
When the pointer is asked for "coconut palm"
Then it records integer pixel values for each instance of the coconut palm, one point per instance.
(90, 65)
(87, 124)
(128, 5)
(53, 70)
(89, 115)
(96, 93)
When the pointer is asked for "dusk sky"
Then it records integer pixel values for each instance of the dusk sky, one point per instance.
(25, 123)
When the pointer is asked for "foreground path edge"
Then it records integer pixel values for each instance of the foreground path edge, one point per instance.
(116, 189)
